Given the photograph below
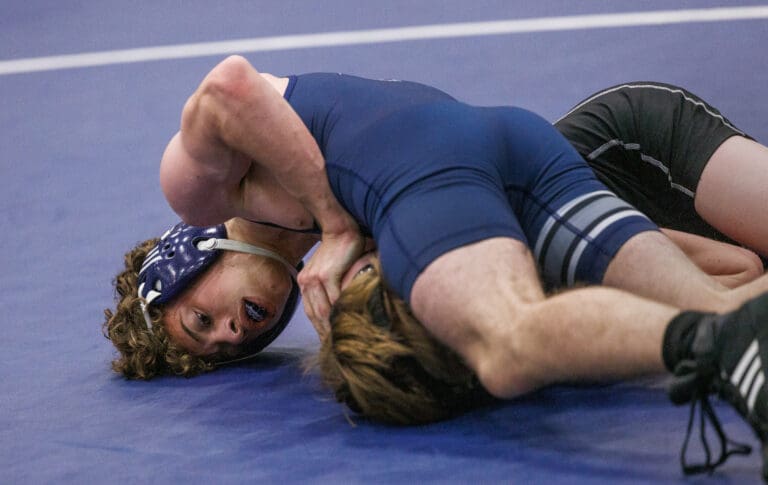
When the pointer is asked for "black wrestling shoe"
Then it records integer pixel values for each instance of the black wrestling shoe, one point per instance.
(729, 358)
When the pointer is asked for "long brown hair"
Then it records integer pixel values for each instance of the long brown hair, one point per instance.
(143, 352)
(380, 361)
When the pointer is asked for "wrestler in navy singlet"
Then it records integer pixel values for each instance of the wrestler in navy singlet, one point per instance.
(425, 174)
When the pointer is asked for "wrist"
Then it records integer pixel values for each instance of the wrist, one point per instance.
(340, 226)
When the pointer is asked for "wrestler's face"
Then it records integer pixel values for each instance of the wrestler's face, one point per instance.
(234, 301)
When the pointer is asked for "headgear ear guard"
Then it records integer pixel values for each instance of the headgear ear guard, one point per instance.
(183, 253)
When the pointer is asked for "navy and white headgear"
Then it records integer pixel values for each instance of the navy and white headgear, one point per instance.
(183, 253)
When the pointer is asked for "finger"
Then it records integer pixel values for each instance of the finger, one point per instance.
(317, 308)
(321, 307)
(333, 290)
(316, 324)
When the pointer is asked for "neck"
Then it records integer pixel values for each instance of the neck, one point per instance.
(290, 245)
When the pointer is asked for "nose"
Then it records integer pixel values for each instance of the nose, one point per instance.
(230, 332)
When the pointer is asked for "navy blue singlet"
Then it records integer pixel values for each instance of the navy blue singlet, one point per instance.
(424, 174)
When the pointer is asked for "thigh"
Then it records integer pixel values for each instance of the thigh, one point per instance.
(580, 232)
(574, 224)
(471, 297)
(442, 213)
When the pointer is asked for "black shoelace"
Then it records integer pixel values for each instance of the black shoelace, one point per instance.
(728, 447)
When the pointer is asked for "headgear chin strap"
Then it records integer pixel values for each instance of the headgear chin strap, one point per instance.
(183, 253)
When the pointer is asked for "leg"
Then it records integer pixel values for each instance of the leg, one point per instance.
(732, 195)
(515, 339)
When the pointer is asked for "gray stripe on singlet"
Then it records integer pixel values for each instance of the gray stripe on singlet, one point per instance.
(646, 158)
(593, 234)
(610, 144)
(547, 227)
(570, 229)
(564, 232)
(661, 88)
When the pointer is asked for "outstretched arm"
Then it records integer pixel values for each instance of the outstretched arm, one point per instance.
(731, 265)
(238, 140)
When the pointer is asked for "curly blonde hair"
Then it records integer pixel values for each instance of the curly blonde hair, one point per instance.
(383, 364)
(144, 352)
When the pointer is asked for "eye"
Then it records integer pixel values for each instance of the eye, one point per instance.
(255, 312)
(203, 320)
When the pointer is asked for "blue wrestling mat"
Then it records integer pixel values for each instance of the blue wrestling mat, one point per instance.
(81, 137)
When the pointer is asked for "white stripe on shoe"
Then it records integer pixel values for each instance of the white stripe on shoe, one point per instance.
(743, 364)
(748, 376)
(759, 381)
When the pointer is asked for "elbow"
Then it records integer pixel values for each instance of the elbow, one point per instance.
(753, 263)
(190, 208)
(749, 268)
(178, 195)
(185, 189)
(505, 377)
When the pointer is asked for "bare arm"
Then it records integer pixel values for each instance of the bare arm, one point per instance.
(238, 135)
(237, 123)
(731, 265)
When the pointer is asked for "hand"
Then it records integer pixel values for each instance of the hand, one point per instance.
(320, 280)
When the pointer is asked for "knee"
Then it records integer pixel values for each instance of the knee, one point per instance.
(505, 365)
